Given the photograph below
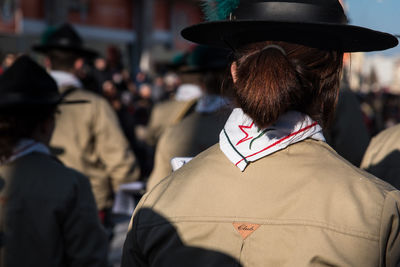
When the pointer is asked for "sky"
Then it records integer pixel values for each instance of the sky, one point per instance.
(381, 15)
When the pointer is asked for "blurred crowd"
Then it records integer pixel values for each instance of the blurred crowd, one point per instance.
(380, 109)
(143, 105)
(134, 95)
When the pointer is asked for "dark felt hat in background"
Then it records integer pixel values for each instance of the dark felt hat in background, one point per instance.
(206, 58)
(26, 84)
(64, 38)
(314, 23)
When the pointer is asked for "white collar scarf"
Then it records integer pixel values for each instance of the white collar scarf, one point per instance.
(25, 147)
(243, 142)
(65, 79)
(188, 92)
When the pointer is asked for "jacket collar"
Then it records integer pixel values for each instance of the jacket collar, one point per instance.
(65, 79)
(243, 142)
(25, 147)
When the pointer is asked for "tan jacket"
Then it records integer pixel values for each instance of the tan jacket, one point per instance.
(382, 157)
(165, 114)
(88, 138)
(301, 206)
(49, 216)
(194, 134)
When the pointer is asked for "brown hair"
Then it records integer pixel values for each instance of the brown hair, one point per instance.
(62, 60)
(270, 82)
(16, 124)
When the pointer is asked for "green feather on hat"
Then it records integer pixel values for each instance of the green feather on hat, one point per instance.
(218, 9)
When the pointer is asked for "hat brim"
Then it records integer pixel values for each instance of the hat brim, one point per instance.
(343, 37)
(71, 102)
(84, 52)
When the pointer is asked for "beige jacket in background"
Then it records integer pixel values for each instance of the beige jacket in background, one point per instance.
(165, 114)
(49, 216)
(194, 134)
(382, 157)
(88, 137)
(301, 206)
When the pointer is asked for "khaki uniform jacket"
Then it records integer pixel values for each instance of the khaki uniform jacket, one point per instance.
(382, 157)
(49, 216)
(165, 114)
(88, 137)
(301, 206)
(194, 134)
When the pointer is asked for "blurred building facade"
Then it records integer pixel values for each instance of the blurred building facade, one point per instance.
(373, 73)
(381, 73)
(133, 25)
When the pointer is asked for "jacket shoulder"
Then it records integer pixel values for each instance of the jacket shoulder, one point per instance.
(389, 136)
(335, 167)
(48, 168)
(382, 155)
(83, 94)
(177, 178)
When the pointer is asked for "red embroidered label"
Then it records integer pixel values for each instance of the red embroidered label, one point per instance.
(245, 229)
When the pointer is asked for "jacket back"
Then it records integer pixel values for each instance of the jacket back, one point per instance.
(49, 215)
(89, 139)
(301, 206)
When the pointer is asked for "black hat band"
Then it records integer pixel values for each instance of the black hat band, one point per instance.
(290, 11)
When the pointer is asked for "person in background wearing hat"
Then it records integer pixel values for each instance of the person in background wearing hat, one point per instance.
(180, 96)
(88, 138)
(48, 215)
(171, 111)
(272, 192)
(200, 129)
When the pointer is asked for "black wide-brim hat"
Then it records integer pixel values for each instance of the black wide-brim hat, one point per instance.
(64, 38)
(26, 84)
(315, 23)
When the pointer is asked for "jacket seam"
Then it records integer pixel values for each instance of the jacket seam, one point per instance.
(380, 228)
(164, 180)
(321, 225)
(388, 194)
